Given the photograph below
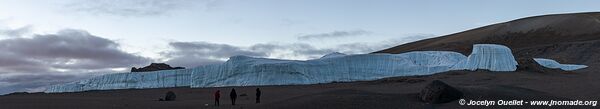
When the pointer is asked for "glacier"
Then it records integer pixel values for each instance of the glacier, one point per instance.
(491, 57)
(248, 71)
(334, 67)
(549, 63)
(131, 80)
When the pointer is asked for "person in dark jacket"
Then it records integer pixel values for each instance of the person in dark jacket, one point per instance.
(257, 95)
(217, 97)
(233, 96)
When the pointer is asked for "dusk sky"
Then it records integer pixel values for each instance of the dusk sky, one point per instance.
(46, 42)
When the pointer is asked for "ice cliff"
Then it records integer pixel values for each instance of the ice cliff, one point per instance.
(249, 71)
(549, 63)
(490, 57)
(141, 80)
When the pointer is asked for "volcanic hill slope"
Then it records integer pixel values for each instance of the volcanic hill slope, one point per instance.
(567, 38)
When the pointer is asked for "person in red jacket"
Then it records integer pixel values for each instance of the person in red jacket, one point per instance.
(217, 96)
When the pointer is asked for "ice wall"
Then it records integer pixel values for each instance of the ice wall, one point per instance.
(489, 56)
(549, 63)
(248, 71)
(137, 80)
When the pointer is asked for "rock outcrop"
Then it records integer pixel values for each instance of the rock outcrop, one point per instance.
(170, 96)
(439, 92)
(155, 67)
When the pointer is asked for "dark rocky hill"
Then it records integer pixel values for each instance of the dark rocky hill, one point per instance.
(155, 67)
(567, 38)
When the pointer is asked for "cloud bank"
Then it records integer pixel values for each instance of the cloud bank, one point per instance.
(17, 32)
(138, 8)
(30, 63)
(193, 54)
(334, 34)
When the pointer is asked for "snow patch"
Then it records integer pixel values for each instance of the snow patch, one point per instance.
(549, 63)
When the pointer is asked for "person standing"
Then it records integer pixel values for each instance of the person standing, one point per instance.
(217, 97)
(257, 95)
(233, 96)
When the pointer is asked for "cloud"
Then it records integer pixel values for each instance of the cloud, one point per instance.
(69, 49)
(213, 49)
(299, 51)
(57, 57)
(368, 47)
(192, 54)
(137, 7)
(334, 34)
(287, 22)
(17, 32)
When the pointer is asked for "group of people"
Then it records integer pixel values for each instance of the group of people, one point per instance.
(233, 96)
